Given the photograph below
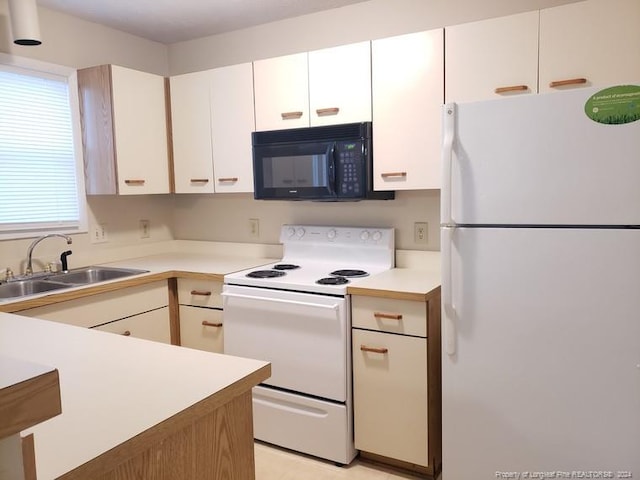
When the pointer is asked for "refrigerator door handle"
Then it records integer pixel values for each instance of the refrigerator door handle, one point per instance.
(448, 129)
(448, 310)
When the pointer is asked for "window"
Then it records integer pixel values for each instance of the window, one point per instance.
(41, 178)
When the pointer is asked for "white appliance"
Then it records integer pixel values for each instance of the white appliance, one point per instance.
(541, 289)
(295, 313)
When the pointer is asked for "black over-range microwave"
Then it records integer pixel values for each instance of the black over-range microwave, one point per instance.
(331, 163)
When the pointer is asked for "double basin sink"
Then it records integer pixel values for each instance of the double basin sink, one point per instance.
(57, 281)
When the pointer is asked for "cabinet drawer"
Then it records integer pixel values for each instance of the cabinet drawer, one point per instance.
(390, 395)
(200, 293)
(202, 336)
(396, 316)
(152, 325)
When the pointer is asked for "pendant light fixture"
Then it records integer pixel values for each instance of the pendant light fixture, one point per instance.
(24, 22)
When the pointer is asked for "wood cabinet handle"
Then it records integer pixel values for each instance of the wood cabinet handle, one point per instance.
(364, 348)
(570, 81)
(134, 182)
(126, 333)
(512, 88)
(391, 316)
(202, 293)
(291, 115)
(228, 179)
(393, 174)
(199, 180)
(210, 324)
(326, 112)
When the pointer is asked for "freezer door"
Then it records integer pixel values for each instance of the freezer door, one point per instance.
(545, 373)
(539, 159)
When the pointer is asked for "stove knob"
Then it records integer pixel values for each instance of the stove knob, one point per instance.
(364, 235)
(300, 232)
(376, 235)
(331, 234)
(291, 231)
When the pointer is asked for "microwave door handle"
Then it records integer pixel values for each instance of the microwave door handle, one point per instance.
(332, 168)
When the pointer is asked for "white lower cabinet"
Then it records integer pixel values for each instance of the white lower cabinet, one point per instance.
(201, 324)
(151, 325)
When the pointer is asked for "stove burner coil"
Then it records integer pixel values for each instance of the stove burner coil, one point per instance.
(285, 266)
(332, 281)
(265, 274)
(349, 273)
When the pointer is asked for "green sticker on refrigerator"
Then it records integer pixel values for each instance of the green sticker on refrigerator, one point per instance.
(614, 105)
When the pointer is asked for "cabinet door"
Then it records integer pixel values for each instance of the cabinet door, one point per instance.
(232, 121)
(340, 84)
(153, 325)
(201, 328)
(281, 92)
(191, 132)
(390, 395)
(140, 131)
(408, 92)
(596, 40)
(492, 58)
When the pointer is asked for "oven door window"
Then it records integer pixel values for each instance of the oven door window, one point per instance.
(305, 171)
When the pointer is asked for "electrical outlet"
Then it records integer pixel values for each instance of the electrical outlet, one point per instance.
(145, 230)
(420, 233)
(99, 233)
(254, 227)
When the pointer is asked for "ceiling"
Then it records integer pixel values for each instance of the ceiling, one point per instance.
(170, 21)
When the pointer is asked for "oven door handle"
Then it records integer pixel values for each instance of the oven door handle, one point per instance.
(226, 295)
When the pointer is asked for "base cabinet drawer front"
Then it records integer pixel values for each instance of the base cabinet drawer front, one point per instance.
(405, 317)
(201, 328)
(390, 395)
(153, 325)
(200, 293)
(104, 307)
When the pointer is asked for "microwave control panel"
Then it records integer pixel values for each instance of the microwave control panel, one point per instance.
(350, 178)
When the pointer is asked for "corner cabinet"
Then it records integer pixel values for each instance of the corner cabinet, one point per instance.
(124, 131)
(408, 90)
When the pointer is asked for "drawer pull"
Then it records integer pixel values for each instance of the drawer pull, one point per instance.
(228, 179)
(199, 180)
(134, 182)
(390, 316)
(571, 81)
(364, 348)
(512, 88)
(394, 175)
(210, 324)
(202, 293)
(126, 333)
(325, 112)
(291, 115)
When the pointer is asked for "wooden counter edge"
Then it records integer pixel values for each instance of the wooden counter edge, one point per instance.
(394, 294)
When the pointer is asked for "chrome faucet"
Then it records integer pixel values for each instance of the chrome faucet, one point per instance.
(29, 269)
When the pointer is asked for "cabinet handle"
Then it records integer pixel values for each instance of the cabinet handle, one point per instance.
(393, 174)
(391, 316)
(202, 293)
(126, 333)
(199, 180)
(364, 348)
(228, 179)
(134, 182)
(570, 81)
(291, 115)
(210, 324)
(512, 88)
(326, 112)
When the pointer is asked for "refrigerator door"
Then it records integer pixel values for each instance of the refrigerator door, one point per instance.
(538, 159)
(545, 376)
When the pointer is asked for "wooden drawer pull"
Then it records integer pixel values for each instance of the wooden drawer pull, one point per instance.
(512, 88)
(210, 324)
(391, 316)
(571, 81)
(326, 112)
(228, 179)
(202, 293)
(134, 182)
(291, 115)
(126, 333)
(393, 174)
(199, 180)
(364, 348)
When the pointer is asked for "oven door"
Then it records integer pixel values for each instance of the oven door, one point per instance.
(304, 336)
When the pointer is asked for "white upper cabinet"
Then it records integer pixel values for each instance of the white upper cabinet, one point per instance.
(340, 84)
(492, 58)
(408, 92)
(232, 121)
(191, 129)
(281, 87)
(596, 42)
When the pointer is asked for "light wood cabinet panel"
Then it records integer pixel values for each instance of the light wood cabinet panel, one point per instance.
(492, 58)
(199, 293)
(201, 328)
(191, 132)
(153, 325)
(404, 317)
(124, 131)
(408, 92)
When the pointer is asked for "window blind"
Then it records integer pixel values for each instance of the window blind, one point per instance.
(38, 185)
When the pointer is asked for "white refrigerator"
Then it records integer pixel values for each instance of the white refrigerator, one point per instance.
(541, 287)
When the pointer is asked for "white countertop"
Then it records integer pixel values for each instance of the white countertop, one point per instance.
(112, 387)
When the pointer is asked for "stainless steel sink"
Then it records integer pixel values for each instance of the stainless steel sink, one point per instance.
(83, 276)
(23, 288)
